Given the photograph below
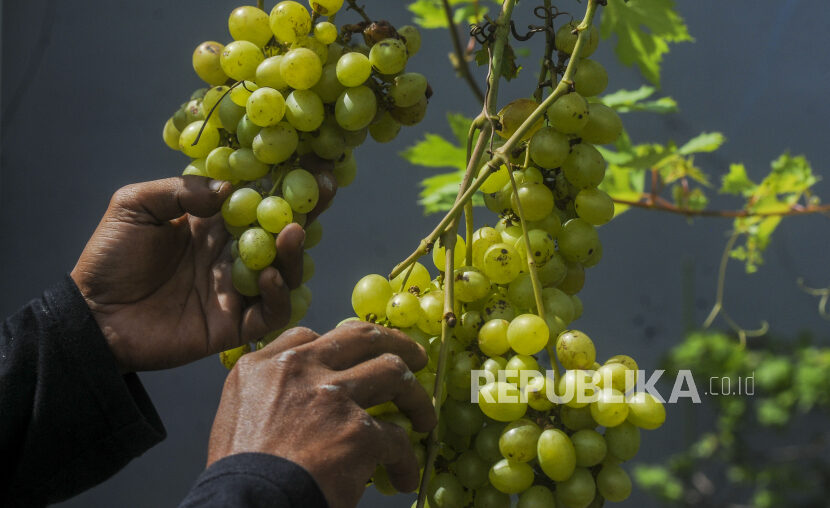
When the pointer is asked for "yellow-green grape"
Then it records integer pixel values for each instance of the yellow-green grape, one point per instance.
(328, 142)
(590, 447)
(578, 240)
(345, 171)
(498, 307)
(494, 364)
(574, 279)
(610, 408)
(207, 65)
(496, 181)
(623, 441)
(537, 496)
(439, 254)
(240, 94)
(614, 483)
(542, 246)
(245, 280)
(432, 308)
(584, 167)
(501, 263)
(551, 224)
(492, 338)
(528, 175)
(577, 491)
(273, 214)
(520, 292)
(549, 148)
(193, 111)
(328, 87)
(645, 411)
(240, 60)
(231, 356)
(208, 140)
(594, 206)
(569, 114)
(301, 68)
(385, 128)
(577, 418)
(556, 455)
(353, 69)
(565, 40)
(403, 310)
(528, 334)
(326, 7)
(304, 110)
(575, 350)
(325, 32)
(265, 107)
(468, 326)
(511, 477)
(578, 308)
(240, 208)
(290, 21)
(412, 115)
(540, 391)
(381, 482)
(356, 108)
(370, 296)
(536, 200)
(247, 23)
(230, 114)
(591, 78)
(276, 144)
(419, 278)
(300, 302)
(625, 360)
(615, 375)
(553, 272)
(311, 43)
(522, 363)
(501, 401)
(412, 38)
(171, 134)
(407, 89)
(512, 116)
(518, 441)
(576, 388)
(245, 166)
(269, 73)
(299, 188)
(257, 248)
(388, 56)
(483, 239)
(470, 284)
(604, 125)
(217, 165)
(246, 131)
(196, 168)
(335, 50)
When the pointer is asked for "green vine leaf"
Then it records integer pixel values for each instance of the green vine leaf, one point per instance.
(705, 142)
(627, 101)
(644, 29)
(430, 13)
(737, 182)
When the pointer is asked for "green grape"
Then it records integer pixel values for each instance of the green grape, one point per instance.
(556, 455)
(464, 418)
(623, 440)
(308, 267)
(299, 188)
(206, 63)
(511, 477)
(537, 496)
(557, 303)
(625, 360)
(290, 21)
(614, 483)
(445, 491)
(549, 148)
(240, 60)
(594, 206)
(235, 231)
(577, 418)
(496, 181)
(554, 271)
(276, 144)
(504, 404)
(403, 310)
(591, 78)
(645, 411)
(356, 108)
(353, 69)
(407, 89)
(300, 302)
(615, 375)
(498, 307)
(246, 132)
(419, 278)
(274, 213)
(180, 119)
(230, 114)
(494, 365)
(604, 125)
(196, 168)
(370, 297)
(520, 292)
(528, 334)
(269, 73)
(492, 338)
(528, 175)
(576, 389)
(574, 279)
(328, 88)
(432, 308)
(193, 111)
(265, 107)
(208, 140)
(385, 128)
(610, 408)
(381, 482)
(578, 240)
(501, 263)
(540, 391)
(304, 110)
(490, 497)
(313, 234)
(590, 447)
(483, 239)
(469, 326)
(542, 246)
(565, 40)
(388, 56)
(325, 32)
(171, 134)
(487, 442)
(328, 142)
(326, 7)
(250, 24)
(412, 39)
(575, 350)
(245, 165)
(471, 469)
(518, 440)
(301, 68)
(577, 303)
(217, 164)
(257, 248)
(569, 114)
(439, 254)
(199, 93)
(536, 200)
(240, 94)
(245, 280)
(356, 138)
(345, 170)
(470, 284)
(311, 43)
(577, 491)
(522, 363)
(412, 115)
(335, 50)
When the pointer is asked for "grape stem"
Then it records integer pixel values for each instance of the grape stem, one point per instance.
(210, 113)
(358, 9)
(462, 65)
(661, 205)
(531, 262)
(546, 66)
(260, 4)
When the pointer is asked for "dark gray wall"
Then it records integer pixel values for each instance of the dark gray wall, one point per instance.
(87, 86)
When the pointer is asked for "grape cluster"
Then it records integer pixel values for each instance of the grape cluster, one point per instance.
(563, 443)
(289, 100)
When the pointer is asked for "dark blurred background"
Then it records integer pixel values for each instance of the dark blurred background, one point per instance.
(87, 87)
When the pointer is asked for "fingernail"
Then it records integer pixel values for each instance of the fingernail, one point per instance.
(216, 185)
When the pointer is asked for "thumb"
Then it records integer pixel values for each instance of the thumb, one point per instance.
(160, 201)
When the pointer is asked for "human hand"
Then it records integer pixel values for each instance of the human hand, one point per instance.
(157, 276)
(303, 397)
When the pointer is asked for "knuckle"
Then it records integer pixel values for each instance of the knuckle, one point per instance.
(125, 194)
(394, 363)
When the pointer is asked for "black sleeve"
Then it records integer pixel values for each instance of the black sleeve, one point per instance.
(68, 418)
(255, 480)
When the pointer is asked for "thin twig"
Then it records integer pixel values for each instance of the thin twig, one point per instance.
(260, 4)
(358, 9)
(531, 262)
(463, 65)
(662, 205)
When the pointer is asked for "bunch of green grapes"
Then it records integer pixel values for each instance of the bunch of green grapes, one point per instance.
(289, 100)
(563, 444)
